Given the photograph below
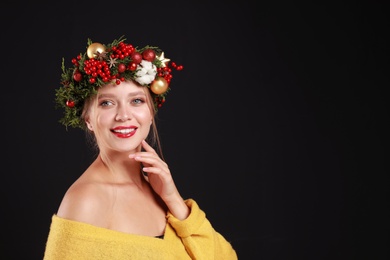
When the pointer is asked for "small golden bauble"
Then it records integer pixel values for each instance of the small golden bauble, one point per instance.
(95, 48)
(159, 86)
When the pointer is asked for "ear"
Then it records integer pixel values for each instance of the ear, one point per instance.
(89, 125)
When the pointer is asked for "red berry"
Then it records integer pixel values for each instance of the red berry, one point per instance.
(149, 55)
(70, 103)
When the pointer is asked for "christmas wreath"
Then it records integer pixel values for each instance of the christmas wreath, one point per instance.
(114, 62)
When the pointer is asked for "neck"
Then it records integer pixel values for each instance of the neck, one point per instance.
(121, 169)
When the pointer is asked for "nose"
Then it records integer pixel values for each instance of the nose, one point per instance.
(123, 114)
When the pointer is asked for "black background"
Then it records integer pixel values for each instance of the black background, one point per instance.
(276, 125)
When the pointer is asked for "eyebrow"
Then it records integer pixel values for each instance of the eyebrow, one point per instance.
(132, 94)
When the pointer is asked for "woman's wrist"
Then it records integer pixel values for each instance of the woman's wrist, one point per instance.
(178, 208)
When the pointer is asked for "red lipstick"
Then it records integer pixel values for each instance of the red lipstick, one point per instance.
(124, 131)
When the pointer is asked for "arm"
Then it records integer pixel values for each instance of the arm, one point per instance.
(190, 223)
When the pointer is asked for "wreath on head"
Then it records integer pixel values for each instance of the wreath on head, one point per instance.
(114, 62)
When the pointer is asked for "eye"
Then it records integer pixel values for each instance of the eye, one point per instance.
(138, 101)
(105, 103)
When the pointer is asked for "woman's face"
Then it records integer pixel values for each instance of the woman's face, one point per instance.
(121, 117)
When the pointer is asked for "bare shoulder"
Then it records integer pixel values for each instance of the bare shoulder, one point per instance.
(85, 202)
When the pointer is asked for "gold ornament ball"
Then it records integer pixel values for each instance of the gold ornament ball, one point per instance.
(94, 48)
(159, 86)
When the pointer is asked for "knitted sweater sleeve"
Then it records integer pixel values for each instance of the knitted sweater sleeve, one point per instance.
(200, 239)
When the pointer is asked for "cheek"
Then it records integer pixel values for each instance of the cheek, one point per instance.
(103, 118)
(144, 117)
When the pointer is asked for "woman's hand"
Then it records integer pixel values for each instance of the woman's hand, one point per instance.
(159, 175)
(160, 178)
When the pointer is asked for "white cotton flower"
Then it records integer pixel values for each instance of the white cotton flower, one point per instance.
(146, 72)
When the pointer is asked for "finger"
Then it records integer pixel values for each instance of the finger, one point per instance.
(147, 147)
(146, 156)
(155, 161)
(154, 170)
(148, 151)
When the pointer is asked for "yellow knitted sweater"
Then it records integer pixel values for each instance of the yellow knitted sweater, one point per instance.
(192, 238)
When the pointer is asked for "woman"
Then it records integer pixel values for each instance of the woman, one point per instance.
(125, 205)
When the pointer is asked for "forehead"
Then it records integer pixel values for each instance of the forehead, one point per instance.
(126, 87)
